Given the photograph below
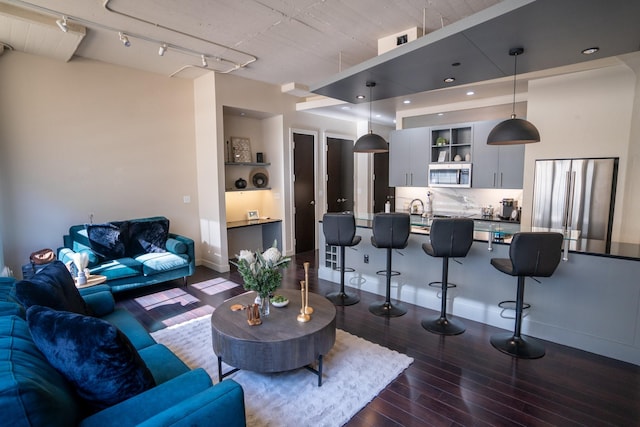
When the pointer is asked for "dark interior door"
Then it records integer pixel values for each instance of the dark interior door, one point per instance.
(304, 192)
(381, 190)
(339, 175)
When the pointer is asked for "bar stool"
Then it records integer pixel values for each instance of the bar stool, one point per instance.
(390, 231)
(534, 254)
(450, 238)
(340, 230)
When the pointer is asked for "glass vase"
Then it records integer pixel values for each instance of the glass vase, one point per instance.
(265, 305)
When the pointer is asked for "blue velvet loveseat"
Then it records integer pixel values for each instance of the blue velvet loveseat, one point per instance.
(131, 253)
(61, 368)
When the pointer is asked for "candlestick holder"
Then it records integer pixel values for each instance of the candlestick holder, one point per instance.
(307, 308)
(303, 316)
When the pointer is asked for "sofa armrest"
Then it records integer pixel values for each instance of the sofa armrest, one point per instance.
(190, 250)
(99, 299)
(218, 406)
(166, 396)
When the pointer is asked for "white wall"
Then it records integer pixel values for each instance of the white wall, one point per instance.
(87, 137)
(212, 94)
(585, 114)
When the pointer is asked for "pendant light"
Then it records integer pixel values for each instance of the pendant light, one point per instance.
(371, 142)
(514, 131)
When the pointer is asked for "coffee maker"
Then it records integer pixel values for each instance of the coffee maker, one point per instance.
(507, 208)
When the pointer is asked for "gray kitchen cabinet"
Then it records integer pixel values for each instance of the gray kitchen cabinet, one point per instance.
(495, 166)
(409, 157)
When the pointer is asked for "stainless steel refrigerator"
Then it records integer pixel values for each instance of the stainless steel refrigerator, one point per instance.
(576, 195)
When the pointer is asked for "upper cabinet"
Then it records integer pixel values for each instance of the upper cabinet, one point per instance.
(409, 157)
(495, 166)
(452, 143)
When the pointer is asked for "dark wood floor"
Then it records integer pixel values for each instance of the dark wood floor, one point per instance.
(455, 380)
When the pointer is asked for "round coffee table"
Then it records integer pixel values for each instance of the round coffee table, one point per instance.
(280, 343)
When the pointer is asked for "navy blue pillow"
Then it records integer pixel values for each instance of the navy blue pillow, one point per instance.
(109, 240)
(92, 354)
(148, 235)
(52, 287)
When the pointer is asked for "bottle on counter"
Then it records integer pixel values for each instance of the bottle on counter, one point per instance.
(387, 206)
(428, 207)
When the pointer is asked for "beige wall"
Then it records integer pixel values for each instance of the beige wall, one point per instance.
(87, 137)
(216, 91)
(587, 114)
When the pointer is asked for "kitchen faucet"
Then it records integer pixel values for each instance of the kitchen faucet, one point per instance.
(412, 210)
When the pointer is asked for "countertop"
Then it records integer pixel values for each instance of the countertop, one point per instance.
(251, 222)
(504, 229)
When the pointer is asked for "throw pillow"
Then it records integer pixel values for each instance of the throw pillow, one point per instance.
(92, 354)
(109, 240)
(52, 287)
(148, 235)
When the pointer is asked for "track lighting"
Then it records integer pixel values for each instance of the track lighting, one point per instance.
(163, 49)
(62, 24)
(124, 39)
(204, 61)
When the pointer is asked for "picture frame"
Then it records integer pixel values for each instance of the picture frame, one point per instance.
(442, 157)
(253, 215)
(240, 149)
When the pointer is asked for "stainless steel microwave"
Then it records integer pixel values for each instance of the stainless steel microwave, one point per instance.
(453, 174)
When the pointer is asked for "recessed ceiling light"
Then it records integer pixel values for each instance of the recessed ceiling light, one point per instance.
(360, 97)
(345, 107)
(378, 115)
(449, 80)
(406, 101)
(591, 50)
(441, 114)
(471, 93)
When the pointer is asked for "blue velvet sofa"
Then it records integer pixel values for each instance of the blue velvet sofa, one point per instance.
(34, 393)
(131, 253)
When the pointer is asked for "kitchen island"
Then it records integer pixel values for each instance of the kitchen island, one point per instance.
(592, 302)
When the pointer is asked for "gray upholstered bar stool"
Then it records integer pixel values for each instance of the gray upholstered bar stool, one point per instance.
(340, 230)
(390, 231)
(450, 238)
(533, 254)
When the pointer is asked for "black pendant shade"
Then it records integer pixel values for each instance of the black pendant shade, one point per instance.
(514, 131)
(370, 142)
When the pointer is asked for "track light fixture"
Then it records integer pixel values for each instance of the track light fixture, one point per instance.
(62, 24)
(204, 61)
(124, 39)
(163, 49)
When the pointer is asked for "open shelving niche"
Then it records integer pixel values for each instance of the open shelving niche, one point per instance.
(458, 142)
(245, 172)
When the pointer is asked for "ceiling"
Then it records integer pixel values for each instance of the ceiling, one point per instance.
(325, 44)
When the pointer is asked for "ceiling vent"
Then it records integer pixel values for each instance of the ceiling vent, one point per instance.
(391, 42)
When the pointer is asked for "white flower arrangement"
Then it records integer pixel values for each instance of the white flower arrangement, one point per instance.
(261, 272)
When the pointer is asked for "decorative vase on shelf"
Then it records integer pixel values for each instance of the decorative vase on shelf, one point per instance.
(241, 183)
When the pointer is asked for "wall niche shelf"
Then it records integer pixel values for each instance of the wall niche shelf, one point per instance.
(246, 164)
(237, 190)
(243, 171)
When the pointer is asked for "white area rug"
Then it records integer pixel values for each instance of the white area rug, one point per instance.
(355, 371)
